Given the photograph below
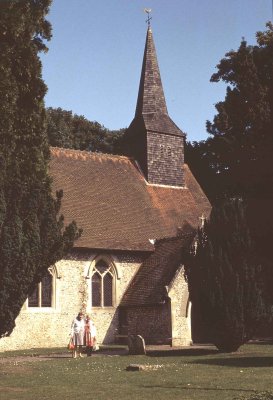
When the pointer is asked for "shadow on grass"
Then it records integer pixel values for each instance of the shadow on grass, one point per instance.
(261, 341)
(61, 352)
(181, 352)
(215, 389)
(243, 362)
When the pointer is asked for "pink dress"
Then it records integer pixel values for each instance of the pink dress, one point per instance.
(89, 333)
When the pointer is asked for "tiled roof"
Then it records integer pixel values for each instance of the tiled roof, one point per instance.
(116, 208)
(161, 123)
(157, 271)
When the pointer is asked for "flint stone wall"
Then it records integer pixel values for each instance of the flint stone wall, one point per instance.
(50, 327)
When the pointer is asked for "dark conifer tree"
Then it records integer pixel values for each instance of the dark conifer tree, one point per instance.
(224, 278)
(241, 146)
(32, 237)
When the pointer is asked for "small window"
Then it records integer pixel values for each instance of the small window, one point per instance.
(42, 294)
(161, 147)
(102, 285)
(169, 151)
(108, 290)
(96, 289)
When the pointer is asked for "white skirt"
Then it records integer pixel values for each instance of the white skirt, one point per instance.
(78, 339)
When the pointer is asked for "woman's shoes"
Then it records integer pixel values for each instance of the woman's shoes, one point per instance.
(74, 354)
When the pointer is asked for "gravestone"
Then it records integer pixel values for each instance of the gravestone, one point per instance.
(136, 345)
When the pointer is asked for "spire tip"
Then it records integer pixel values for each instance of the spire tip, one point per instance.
(148, 20)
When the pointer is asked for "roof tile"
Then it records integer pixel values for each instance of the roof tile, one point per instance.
(117, 209)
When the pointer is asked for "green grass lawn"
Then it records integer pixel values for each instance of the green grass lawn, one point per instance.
(185, 374)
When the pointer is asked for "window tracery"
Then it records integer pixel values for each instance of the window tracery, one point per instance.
(102, 288)
(42, 295)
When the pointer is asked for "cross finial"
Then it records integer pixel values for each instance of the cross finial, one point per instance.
(203, 219)
(195, 245)
(148, 20)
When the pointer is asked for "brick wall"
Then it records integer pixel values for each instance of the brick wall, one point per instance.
(153, 323)
(169, 323)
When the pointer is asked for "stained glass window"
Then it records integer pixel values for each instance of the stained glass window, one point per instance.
(107, 290)
(42, 294)
(101, 266)
(102, 284)
(96, 290)
(33, 300)
(46, 291)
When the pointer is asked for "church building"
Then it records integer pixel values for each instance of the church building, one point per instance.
(138, 212)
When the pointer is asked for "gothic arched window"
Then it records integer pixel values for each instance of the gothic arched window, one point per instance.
(161, 147)
(169, 151)
(102, 284)
(42, 295)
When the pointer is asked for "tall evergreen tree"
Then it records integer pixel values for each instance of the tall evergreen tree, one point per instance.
(224, 278)
(242, 142)
(32, 237)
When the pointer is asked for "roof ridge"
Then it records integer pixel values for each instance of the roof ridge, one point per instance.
(181, 234)
(56, 150)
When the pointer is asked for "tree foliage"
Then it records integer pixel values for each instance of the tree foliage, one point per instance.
(239, 150)
(224, 277)
(237, 157)
(68, 130)
(32, 237)
(197, 155)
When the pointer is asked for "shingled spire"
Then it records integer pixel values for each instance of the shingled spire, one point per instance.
(151, 97)
(153, 138)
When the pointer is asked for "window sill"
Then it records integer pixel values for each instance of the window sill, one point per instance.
(34, 310)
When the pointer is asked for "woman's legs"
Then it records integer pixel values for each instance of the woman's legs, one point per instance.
(78, 347)
(74, 352)
(89, 351)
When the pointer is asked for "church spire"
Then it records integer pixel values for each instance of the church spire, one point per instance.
(152, 138)
(151, 97)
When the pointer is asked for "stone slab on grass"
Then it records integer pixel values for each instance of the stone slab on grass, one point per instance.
(141, 367)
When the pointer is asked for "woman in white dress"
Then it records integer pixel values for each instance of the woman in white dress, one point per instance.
(77, 334)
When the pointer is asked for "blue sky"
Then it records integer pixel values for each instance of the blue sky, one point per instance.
(94, 61)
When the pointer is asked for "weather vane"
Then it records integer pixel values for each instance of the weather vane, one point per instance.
(148, 20)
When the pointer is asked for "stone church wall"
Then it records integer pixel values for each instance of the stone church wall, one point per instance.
(180, 309)
(50, 327)
(169, 323)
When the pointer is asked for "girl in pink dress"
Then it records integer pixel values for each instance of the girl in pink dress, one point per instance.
(89, 335)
